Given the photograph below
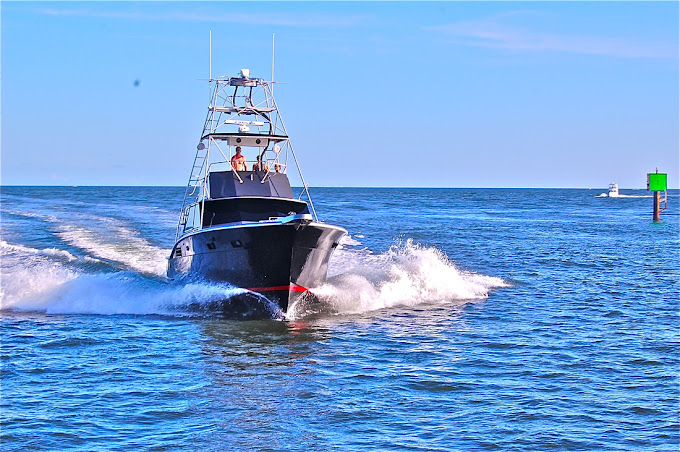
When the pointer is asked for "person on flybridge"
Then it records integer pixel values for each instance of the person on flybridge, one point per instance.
(259, 165)
(238, 161)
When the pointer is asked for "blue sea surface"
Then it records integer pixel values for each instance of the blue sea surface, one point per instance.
(453, 319)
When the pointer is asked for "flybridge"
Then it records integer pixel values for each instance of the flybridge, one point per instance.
(246, 139)
(242, 116)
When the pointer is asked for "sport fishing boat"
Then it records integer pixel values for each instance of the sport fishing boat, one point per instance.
(240, 222)
(613, 191)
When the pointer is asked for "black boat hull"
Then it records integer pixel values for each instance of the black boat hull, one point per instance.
(282, 261)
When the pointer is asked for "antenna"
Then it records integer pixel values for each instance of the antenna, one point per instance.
(273, 36)
(210, 57)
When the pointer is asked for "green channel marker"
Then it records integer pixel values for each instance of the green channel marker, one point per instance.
(656, 181)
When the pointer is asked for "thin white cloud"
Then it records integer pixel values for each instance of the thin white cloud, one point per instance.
(492, 34)
(260, 18)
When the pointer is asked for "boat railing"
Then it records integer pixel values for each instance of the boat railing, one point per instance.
(271, 167)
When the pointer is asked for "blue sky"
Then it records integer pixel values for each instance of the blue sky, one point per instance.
(412, 94)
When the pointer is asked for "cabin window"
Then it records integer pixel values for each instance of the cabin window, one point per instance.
(234, 210)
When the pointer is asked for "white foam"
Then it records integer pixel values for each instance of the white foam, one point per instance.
(46, 281)
(635, 196)
(406, 275)
(54, 252)
(28, 274)
(607, 195)
(119, 293)
(349, 241)
(106, 238)
(116, 293)
(52, 281)
(28, 214)
(118, 244)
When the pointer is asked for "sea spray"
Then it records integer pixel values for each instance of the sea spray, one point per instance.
(29, 275)
(130, 293)
(54, 281)
(408, 274)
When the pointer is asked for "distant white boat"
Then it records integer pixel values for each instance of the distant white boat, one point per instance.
(613, 190)
(612, 193)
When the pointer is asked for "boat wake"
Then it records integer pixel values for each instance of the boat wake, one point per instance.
(406, 275)
(54, 281)
(607, 195)
(127, 250)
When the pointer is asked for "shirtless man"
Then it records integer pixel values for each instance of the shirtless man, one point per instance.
(238, 161)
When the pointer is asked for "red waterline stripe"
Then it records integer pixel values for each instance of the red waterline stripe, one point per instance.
(293, 287)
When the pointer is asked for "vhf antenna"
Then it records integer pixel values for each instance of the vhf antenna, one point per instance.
(210, 65)
(273, 36)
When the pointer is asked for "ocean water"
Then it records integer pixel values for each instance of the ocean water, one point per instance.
(453, 319)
